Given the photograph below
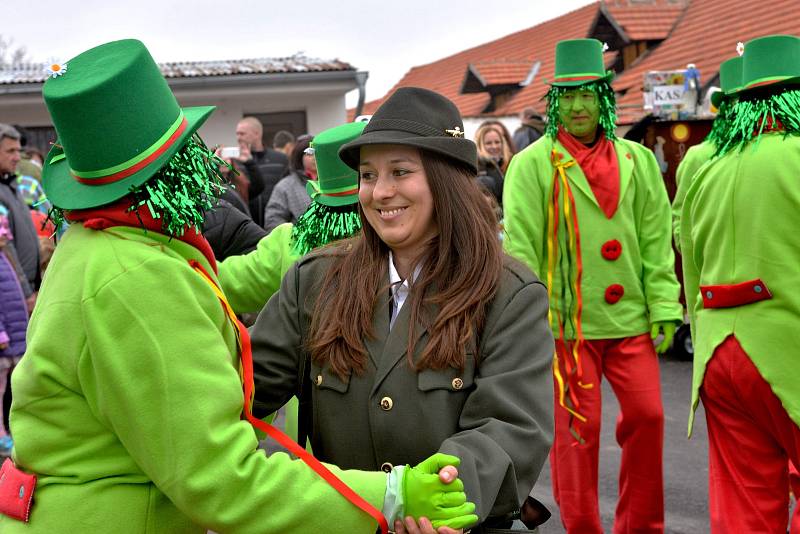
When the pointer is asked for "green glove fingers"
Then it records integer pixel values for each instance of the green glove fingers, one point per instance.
(466, 518)
(425, 495)
(668, 329)
(434, 463)
(452, 499)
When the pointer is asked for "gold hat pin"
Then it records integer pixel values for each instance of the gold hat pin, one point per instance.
(455, 132)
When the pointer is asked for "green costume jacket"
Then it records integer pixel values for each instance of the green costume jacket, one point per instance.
(127, 406)
(251, 279)
(641, 225)
(496, 415)
(695, 158)
(739, 223)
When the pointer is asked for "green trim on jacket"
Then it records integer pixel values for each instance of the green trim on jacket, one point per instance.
(646, 267)
(127, 405)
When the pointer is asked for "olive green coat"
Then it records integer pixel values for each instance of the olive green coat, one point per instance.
(641, 224)
(496, 415)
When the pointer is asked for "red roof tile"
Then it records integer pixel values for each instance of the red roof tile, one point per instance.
(646, 23)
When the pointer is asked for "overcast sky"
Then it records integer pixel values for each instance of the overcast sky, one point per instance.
(385, 38)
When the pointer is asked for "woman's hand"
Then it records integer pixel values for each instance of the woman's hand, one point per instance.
(409, 526)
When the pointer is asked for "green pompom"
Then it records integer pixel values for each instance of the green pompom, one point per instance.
(605, 98)
(322, 224)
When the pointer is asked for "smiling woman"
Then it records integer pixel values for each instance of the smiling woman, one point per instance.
(419, 326)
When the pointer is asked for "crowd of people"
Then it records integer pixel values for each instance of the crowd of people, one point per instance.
(423, 389)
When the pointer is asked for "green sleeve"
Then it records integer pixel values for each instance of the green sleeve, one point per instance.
(661, 286)
(523, 211)
(159, 372)
(250, 280)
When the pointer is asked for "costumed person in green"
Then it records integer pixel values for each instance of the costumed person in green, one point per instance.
(418, 335)
(589, 213)
(128, 404)
(740, 255)
(250, 280)
(730, 78)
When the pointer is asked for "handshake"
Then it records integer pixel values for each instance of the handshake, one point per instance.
(430, 490)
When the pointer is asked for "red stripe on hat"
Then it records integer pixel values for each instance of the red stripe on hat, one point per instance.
(117, 176)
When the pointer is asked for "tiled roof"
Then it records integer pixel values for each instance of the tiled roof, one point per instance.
(34, 72)
(706, 35)
(646, 23)
(527, 46)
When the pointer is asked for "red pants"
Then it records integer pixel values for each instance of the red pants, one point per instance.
(751, 440)
(631, 367)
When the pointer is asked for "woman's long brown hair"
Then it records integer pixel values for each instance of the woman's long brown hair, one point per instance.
(460, 272)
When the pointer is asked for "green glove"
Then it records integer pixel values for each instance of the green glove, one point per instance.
(668, 328)
(425, 495)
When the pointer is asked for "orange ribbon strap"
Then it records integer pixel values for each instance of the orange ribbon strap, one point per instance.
(246, 372)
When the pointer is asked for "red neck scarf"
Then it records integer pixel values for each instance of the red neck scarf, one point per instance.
(117, 215)
(600, 166)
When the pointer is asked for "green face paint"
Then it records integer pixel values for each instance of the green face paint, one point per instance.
(579, 112)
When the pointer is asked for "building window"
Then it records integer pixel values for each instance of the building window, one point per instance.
(291, 121)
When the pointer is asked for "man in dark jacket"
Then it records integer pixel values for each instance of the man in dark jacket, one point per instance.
(20, 222)
(273, 165)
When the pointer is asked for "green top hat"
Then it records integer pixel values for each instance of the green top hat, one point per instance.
(771, 60)
(578, 62)
(117, 122)
(336, 183)
(730, 80)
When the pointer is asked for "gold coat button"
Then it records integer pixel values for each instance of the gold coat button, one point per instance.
(458, 383)
(318, 380)
(386, 467)
(386, 404)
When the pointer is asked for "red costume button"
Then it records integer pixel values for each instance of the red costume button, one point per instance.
(611, 250)
(614, 292)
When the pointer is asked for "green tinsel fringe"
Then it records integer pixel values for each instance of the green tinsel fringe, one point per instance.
(605, 97)
(322, 224)
(180, 192)
(721, 123)
(751, 114)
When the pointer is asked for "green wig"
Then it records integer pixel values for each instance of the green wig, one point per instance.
(322, 224)
(757, 112)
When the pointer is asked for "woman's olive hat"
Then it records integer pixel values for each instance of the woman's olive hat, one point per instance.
(117, 122)
(419, 118)
(336, 183)
(730, 80)
(771, 60)
(578, 62)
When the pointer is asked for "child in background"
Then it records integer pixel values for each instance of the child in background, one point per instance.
(13, 317)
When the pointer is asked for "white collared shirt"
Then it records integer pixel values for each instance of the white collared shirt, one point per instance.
(399, 288)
